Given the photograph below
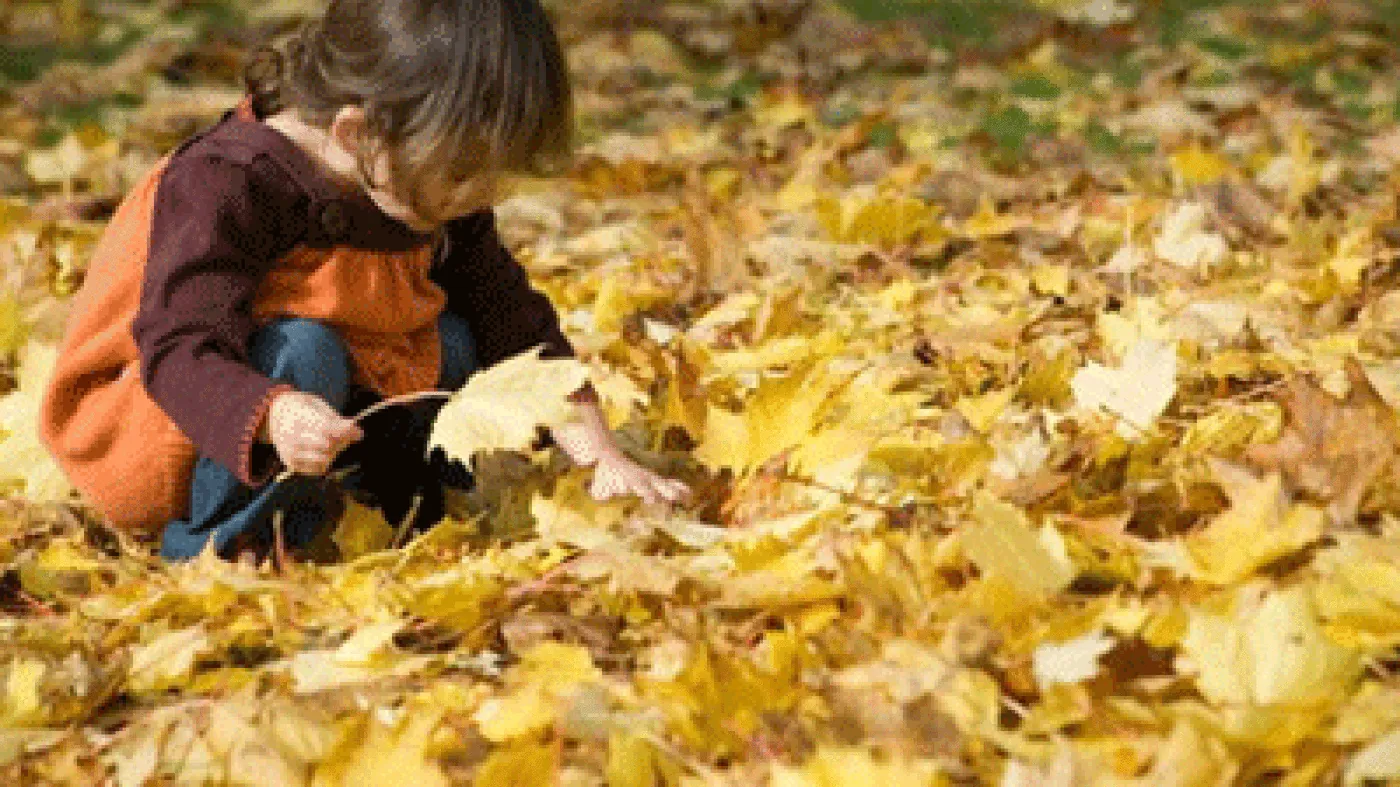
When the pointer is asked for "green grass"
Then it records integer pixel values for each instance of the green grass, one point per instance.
(952, 23)
(25, 62)
(976, 22)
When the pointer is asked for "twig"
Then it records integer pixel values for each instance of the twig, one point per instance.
(1375, 666)
(401, 532)
(846, 497)
(279, 545)
(709, 775)
(1015, 707)
(403, 399)
(540, 582)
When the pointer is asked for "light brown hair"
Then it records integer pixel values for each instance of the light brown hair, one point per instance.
(451, 88)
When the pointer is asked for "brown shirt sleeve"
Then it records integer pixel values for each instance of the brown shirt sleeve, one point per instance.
(217, 227)
(487, 287)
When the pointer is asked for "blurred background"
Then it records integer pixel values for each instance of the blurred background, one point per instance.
(149, 73)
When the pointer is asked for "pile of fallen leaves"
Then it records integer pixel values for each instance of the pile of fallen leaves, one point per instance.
(1039, 398)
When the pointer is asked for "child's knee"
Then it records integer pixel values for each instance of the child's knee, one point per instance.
(305, 352)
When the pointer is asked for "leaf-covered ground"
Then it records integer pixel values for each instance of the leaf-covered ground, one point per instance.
(1035, 368)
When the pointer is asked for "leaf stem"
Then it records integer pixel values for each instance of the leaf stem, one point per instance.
(402, 399)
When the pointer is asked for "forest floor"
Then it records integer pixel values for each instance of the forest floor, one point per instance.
(1031, 365)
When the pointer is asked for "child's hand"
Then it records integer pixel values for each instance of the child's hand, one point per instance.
(588, 443)
(307, 432)
(618, 475)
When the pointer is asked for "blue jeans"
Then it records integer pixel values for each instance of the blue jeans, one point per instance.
(311, 356)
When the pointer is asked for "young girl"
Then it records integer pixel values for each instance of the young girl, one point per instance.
(326, 244)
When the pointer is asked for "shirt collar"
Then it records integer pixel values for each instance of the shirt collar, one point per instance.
(339, 215)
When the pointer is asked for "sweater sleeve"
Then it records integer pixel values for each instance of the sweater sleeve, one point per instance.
(488, 288)
(216, 228)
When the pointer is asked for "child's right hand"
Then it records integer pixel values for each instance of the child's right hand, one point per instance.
(307, 432)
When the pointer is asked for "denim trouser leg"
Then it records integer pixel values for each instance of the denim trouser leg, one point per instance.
(458, 352)
(312, 357)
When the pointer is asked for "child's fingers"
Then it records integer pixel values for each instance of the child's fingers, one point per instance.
(336, 433)
(312, 463)
(673, 490)
(645, 484)
(644, 490)
(334, 423)
(607, 482)
(349, 431)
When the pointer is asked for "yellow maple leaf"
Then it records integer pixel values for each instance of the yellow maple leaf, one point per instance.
(779, 415)
(620, 395)
(361, 530)
(501, 407)
(167, 660)
(62, 566)
(883, 221)
(1001, 543)
(22, 703)
(1184, 241)
(782, 351)
(1353, 256)
(571, 516)
(683, 403)
(523, 711)
(521, 764)
(1051, 280)
(1378, 761)
(13, 331)
(1267, 665)
(1137, 392)
(982, 411)
(546, 673)
(388, 754)
(987, 223)
(459, 596)
(557, 665)
(362, 647)
(787, 581)
(1195, 165)
(833, 457)
(1259, 527)
(1190, 756)
(22, 454)
(1359, 597)
(837, 766)
(634, 762)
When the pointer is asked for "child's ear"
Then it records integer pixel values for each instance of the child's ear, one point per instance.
(347, 128)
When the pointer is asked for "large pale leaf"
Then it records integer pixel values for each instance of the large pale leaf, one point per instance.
(500, 408)
(1137, 392)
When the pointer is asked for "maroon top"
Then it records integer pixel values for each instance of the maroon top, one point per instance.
(233, 199)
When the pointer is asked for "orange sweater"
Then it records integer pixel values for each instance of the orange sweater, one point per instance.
(127, 433)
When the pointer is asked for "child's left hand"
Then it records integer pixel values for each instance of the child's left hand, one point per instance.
(590, 443)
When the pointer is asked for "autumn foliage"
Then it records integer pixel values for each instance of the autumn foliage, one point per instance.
(1035, 368)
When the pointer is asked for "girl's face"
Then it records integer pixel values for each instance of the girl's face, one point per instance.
(447, 199)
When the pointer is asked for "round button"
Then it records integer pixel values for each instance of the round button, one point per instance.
(335, 220)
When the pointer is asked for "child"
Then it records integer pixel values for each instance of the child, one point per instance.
(326, 244)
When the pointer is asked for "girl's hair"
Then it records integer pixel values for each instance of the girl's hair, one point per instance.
(449, 87)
